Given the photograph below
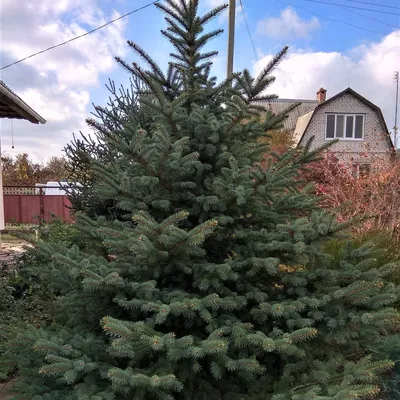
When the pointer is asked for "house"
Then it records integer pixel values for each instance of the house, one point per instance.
(357, 125)
(348, 117)
(13, 107)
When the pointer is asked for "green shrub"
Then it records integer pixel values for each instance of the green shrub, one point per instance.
(58, 231)
(385, 246)
(21, 304)
(26, 298)
(390, 347)
(385, 249)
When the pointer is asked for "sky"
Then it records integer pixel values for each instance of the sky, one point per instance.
(335, 46)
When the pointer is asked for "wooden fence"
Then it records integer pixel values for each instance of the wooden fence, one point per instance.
(31, 205)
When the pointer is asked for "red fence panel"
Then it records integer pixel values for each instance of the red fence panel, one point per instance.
(29, 209)
(56, 205)
(23, 209)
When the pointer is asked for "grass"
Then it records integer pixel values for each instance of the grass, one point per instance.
(12, 232)
(7, 237)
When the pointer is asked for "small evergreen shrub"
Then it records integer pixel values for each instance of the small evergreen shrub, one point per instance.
(26, 297)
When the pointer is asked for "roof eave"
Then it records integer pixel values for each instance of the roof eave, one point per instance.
(27, 112)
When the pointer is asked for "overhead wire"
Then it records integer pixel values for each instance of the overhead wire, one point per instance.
(335, 20)
(357, 8)
(248, 31)
(370, 17)
(80, 36)
(245, 19)
(371, 4)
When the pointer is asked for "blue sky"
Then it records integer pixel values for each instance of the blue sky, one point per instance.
(63, 83)
(330, 36)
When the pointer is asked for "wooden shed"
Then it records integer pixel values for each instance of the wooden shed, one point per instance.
(13, 107)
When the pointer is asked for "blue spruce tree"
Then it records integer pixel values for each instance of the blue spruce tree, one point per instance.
(208, 282)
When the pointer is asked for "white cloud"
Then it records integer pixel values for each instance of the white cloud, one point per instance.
(288, 25)
(367, 69)
(208, 5)
(57, 83)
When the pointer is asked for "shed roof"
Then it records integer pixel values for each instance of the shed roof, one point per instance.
(12, 106)
(278, 106)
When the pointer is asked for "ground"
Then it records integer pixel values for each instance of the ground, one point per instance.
(4, 388)
(11, 249)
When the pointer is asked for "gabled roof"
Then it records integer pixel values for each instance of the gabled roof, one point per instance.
(278, 106)
(304, 121)
(12, 106)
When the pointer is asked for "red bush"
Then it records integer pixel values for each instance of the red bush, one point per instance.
(377, 193)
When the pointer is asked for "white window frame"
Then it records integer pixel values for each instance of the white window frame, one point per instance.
(345, 115)
(356, 168)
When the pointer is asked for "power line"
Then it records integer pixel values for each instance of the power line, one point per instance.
(368, 16)
(357, 8)
(248, 31)
(334, 20)
(80, 36)
(372, 4)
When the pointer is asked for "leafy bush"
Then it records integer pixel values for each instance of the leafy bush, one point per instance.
(384, 244)
(21, 304)
(26, 298)
(375, 194)
(58, 231)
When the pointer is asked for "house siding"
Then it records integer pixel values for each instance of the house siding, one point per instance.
(375, 144)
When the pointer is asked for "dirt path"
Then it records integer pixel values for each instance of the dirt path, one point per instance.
(10, 252)
(4, 388)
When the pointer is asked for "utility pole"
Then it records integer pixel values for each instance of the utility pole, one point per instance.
(396, 79)
(231, 37)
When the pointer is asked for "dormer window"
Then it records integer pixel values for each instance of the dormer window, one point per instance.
(344, 126)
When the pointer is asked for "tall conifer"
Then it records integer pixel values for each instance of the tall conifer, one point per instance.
(209, 284)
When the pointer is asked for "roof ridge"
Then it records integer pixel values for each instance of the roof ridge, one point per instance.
(283, 99)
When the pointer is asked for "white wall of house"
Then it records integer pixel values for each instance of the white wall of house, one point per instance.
(2, 222)
(375, 143)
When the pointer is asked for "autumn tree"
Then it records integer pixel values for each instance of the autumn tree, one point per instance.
(21, 170)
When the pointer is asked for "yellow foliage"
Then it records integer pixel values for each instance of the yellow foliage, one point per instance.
(291, 268)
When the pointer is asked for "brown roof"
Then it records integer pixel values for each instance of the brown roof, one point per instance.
(278, 106)
(12, 106)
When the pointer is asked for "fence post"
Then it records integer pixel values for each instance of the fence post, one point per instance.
(41, 205)
(19, 208)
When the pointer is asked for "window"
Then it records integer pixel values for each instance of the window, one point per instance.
(361, 170)
(344, 126)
